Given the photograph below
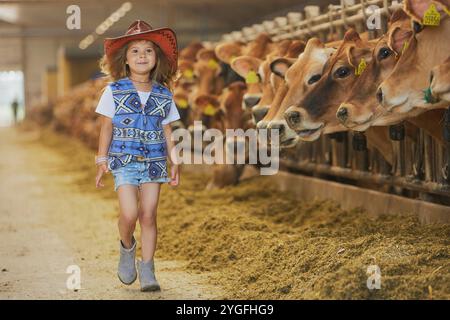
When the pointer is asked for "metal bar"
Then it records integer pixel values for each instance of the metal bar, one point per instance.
(405, 182)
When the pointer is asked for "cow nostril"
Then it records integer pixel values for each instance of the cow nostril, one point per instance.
(380, 96)
(342, 113)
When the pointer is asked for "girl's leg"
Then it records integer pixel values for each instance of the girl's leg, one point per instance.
(147, 219)
(128, 203)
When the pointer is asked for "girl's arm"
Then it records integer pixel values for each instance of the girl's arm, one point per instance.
(170, 144)
(103, 147)
(171, 155)
(105, 136)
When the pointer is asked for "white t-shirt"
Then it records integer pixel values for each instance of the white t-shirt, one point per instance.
(107, 107)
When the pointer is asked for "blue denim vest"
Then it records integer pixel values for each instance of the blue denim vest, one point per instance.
(137, 132)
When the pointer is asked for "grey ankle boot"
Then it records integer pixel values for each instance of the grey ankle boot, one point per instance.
(127, 265)
(147, 276)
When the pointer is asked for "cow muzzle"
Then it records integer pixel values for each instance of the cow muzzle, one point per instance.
(251, 100)
(287, 137)
(259, 113)
(298, 120)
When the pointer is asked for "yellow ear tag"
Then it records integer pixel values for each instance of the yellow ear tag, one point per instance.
(188, 73)
(361, 66)
(431, 17)
(209, 110)
(213, 64)
(182, 103)
(405, 46)
(251, 77)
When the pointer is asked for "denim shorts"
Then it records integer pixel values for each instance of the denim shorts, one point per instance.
(135, 173)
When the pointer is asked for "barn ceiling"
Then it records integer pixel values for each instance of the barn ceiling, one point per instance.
(191, 19)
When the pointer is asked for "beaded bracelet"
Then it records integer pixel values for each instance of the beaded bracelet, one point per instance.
(100, 159)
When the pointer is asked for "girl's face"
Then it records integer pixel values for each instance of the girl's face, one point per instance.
(141, 57)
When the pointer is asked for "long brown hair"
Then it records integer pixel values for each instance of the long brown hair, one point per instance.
(116, 68)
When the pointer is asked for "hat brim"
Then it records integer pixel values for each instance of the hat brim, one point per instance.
(165, 38)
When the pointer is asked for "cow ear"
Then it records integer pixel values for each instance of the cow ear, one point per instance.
(227, 51)
(206, 54)
(398, 38)
(416, 8)
(356, 55)
(280, 66)
(398, 15)
(280, 48)
(244, 64)
(295, 49)
(352, 35)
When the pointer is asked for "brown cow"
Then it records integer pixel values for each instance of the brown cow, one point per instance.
(190, 51)
(361, 108)
(316, 112)
(440, 81)
(403, 89)
(261, 88)
(295, 78)
(204, 99)
(308, 64)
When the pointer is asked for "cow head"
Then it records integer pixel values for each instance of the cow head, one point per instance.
(181, 97)
(361, 108)
(206, 72)
(248, 67)
(207, 111)
(190, 51)
(404, 88)
(231, 102)
(259, 47)
(299, 76)
(316, 112)
(186, 71)
(440, 81)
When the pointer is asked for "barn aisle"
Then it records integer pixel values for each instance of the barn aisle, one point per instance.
(47, 224)
(248, 241)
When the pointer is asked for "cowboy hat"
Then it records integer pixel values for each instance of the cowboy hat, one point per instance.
(165, 38)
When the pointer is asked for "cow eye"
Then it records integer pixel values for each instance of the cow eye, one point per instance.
(342, 72)
(314, 78)
(384, 53)
(417, 27)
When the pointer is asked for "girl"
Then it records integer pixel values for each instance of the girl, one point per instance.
(136, 110)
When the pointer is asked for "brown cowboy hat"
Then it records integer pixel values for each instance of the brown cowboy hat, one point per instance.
(165, 38)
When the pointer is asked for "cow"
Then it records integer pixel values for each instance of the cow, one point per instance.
(308, 65)
(315, 113)
(403, 89)
(440, 81)
(233, 117)
(361, 109)
(252, 67)
(190, 51)
(265, 84)
(182, 90)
